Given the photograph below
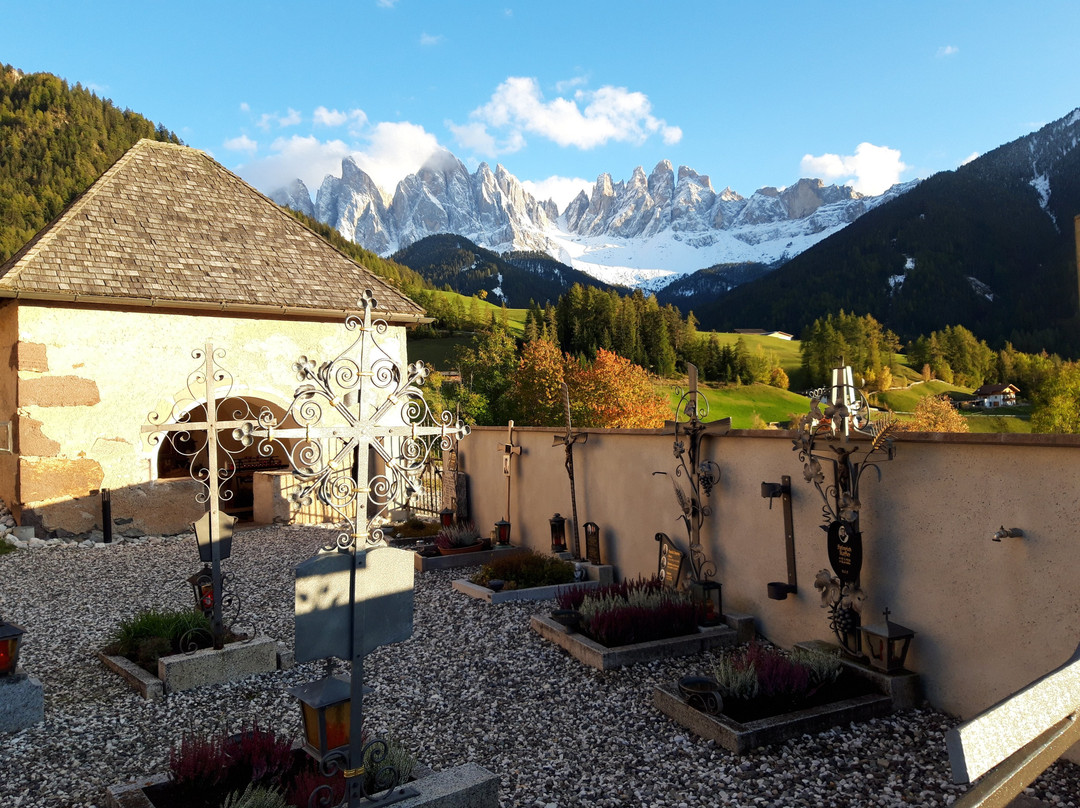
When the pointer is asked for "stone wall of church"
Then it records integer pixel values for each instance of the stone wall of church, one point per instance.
(89, 378)
(9, 355)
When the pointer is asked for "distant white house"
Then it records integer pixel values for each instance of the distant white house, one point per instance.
(996, 395)
(758, 332)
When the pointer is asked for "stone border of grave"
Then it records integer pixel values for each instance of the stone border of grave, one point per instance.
(207, 666)
(595, 575)
(738, 628)
(466, 785)
(481, 557)
(896, 691)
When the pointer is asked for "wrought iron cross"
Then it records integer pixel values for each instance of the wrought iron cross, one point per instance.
(369, 402)
(568, 440)
(178, 428)
(508, 449)
(702, 475)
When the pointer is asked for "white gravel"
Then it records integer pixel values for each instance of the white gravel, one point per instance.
(474, 683)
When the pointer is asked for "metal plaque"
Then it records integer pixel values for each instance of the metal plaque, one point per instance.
(671, 560)
(383, 602)
(845, 551)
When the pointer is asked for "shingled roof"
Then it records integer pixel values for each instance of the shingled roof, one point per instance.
(168, 226)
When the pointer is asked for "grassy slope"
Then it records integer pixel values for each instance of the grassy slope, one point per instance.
(740, 403)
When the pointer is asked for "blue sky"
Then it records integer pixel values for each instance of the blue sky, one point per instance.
(750, 93)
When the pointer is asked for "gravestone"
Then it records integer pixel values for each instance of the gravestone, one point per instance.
(1014, 741)
(324, 613)
(670, 561)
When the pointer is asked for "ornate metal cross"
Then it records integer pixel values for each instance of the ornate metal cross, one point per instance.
(369, 402)
(180, 432)
(702, 475)
(568, 440)
(508, 449)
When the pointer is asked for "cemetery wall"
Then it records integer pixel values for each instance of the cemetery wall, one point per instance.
(989, 616)
(96, 376)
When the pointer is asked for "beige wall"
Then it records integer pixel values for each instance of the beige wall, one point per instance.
(9, 360)
(97, 374)
(989, 616)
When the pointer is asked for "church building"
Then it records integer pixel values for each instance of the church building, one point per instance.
(102, 317)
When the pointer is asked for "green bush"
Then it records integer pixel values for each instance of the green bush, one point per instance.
(526, 570)
(155, 633)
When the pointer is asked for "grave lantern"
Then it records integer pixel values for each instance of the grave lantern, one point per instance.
(10, 642)
(202, 587)
(706, 597)
(502, 532)
(558, 533)
(446, 517)
(325, 706)
(887, 645)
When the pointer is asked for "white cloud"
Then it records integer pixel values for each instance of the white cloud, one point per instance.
(242, 144)
(973, 156)
(329, 117)
(430, 39)
(385, 3)
(391, 152)
(871, 170)
(947, 50)
(589, 119)
(270, 119)
(560, 189)
(244, 107)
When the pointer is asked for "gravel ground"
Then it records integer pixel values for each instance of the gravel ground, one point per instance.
(474, 683)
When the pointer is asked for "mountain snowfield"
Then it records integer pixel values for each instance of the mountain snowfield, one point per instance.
(644, 232)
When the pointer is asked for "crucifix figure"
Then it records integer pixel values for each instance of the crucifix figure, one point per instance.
(215, 528)
(508, 449)
(361, 402)
(568, 440)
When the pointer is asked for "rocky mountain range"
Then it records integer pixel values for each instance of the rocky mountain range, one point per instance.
(647, 230)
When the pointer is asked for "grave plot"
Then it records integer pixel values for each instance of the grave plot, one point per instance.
(526, 575)
(759, 696)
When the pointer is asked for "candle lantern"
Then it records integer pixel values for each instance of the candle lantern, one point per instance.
(325, 706)
(502, 532)
(887, 645)
(10, 642)
(558, 533)
(446, 517)
(706, 596)
(202, 587)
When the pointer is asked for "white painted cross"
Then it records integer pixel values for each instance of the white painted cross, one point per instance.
(1017, 739)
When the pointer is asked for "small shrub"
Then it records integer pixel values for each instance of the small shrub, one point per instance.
(415, 529)
(259, 755)
(778, 676)
(7, 547)
(463, 535)
(253, 756)
(736, 680)
(256, 797)
(155, 633)
(199, 759)
(823, 668)
(526, 570)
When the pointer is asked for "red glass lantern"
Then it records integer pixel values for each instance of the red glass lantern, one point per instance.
(10, 642)
(706, 596)
(502, 532)
(325, 706)
(446, 517)
(558, 533)
(202, 586)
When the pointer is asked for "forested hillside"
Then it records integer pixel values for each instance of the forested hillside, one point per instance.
(985, 245)
(55, 140)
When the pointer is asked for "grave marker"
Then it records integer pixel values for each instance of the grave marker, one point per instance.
(1018, 738)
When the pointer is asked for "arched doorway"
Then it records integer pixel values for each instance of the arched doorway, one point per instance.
(184, 454)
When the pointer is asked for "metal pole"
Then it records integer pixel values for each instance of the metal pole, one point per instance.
(106, 515)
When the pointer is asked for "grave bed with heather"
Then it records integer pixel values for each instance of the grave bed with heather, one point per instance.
(256, 767)
(631, 612)
(760, 681)
(154, 633)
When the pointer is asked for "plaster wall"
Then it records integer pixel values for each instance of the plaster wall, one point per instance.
(107, 370)
(989, 616)
(9, 358)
